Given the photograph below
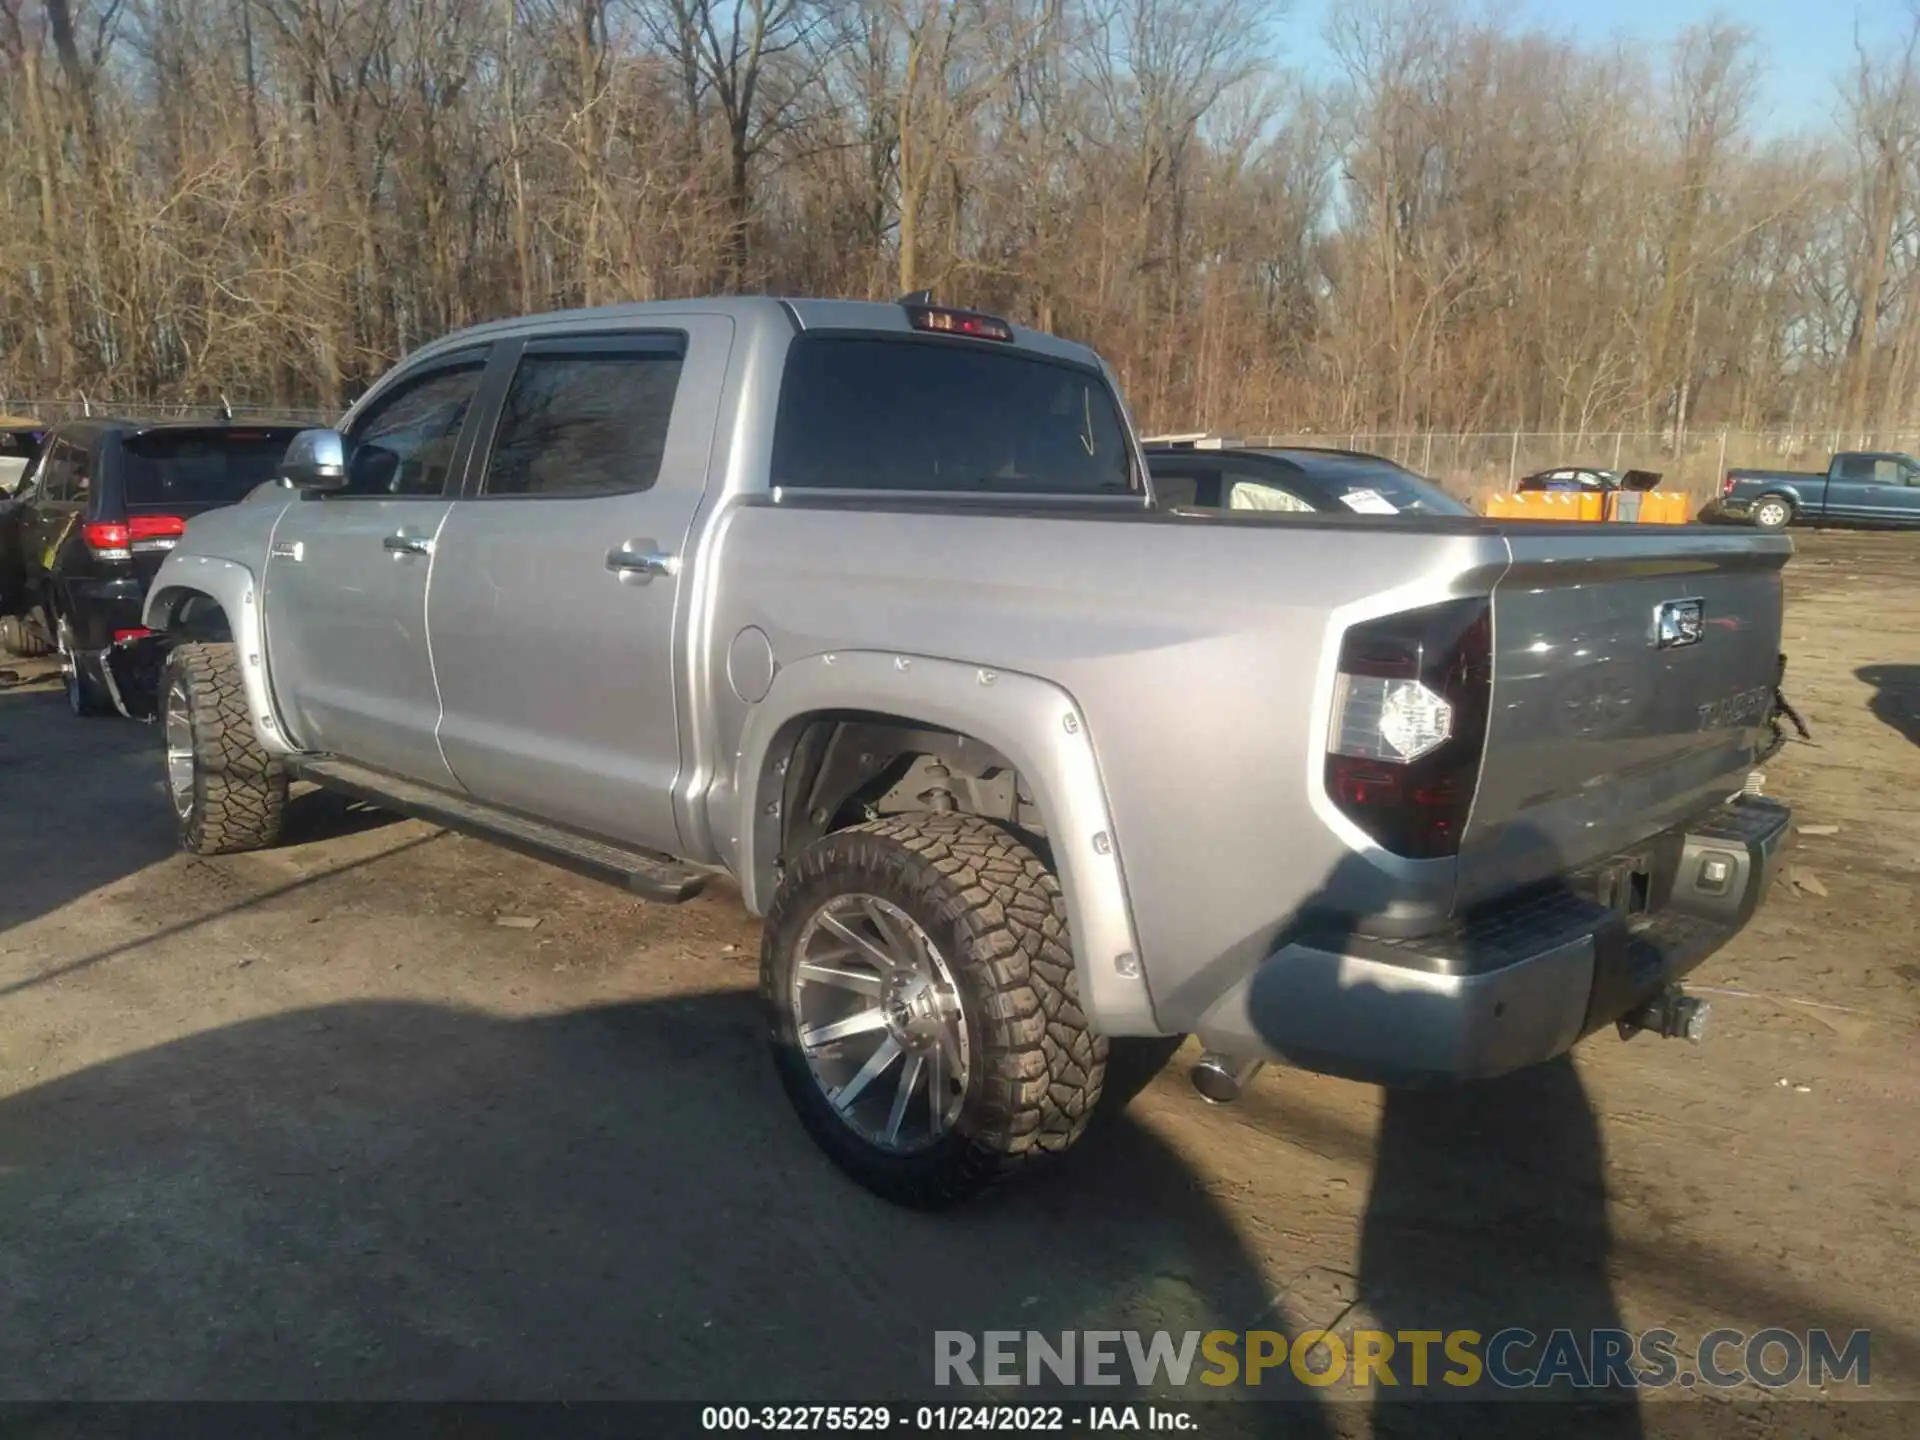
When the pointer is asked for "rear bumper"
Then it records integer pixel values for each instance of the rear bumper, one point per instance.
(97, 608)
(1514, 986)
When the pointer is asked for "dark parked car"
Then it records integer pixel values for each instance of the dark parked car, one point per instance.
(1859, 488)
(1206, 476)
(1590, 478)
(91, 522)
(20, 442)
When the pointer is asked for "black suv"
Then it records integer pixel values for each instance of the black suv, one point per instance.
(94, 518)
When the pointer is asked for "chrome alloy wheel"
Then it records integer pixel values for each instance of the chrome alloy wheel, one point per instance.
(179, 728)
(69, 662)
(880, 1023)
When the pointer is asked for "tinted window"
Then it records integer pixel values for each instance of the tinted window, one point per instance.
(57, 475)
(1177, 490)
(403, 444)
(1259, 492)
(1384, 490)
(917, 415)
(1853, 467)
(200, 468)
(584, 424)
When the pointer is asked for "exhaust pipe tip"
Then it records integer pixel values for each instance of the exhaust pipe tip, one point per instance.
(1221, 1078)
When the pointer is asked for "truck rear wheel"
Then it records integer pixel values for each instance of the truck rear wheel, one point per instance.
(228, 793)
(921, 1001)
(1770, 512)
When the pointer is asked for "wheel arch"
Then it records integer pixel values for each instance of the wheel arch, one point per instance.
(197, 597)
(1785, 497)
(803, 745)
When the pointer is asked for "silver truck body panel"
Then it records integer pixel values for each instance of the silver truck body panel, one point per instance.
(558, 684)
(245, 529)
(1162, 684)
(1030, 721)
(346, 623)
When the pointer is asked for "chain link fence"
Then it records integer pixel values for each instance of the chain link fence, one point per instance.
(1472, 464)
(54, 411)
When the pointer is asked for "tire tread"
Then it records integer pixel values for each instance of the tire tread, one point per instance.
(240, 790)
(1041, 1062)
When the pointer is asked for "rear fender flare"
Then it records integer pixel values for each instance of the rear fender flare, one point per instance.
(233, 587)
(1032, 722)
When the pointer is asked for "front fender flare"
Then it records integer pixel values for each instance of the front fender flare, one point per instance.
(1033, 722)
(233, 587)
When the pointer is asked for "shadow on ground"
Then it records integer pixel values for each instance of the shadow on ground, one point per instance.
(83, 803)
(396, 1200)
(1896, 696)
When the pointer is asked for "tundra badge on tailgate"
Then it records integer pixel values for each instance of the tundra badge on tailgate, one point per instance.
(1679, 622)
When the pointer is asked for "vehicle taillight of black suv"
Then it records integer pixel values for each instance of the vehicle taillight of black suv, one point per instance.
(103, 505)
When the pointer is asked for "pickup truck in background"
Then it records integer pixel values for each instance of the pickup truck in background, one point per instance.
(873, 608)
(1858, 488)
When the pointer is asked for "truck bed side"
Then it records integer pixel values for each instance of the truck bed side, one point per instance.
(1201, 653)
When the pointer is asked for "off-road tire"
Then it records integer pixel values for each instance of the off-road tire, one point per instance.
(18, 637)
(996, 911)
(1767, 505)
(239, 791)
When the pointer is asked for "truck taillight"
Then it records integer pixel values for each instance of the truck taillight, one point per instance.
(958, 322)
(1409, 725)
(1726, 483)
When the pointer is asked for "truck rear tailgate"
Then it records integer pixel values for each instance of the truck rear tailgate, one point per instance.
(1634, 673)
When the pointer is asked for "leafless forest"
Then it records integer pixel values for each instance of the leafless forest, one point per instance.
(1459, 228)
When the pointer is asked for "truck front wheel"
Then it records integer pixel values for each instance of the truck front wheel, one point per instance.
(921, 1002)
(228, 793)
(1770, 512)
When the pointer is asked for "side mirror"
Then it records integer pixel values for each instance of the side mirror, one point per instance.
(316, 460)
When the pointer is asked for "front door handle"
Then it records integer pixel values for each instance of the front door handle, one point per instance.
(408, 544)
(637, 562)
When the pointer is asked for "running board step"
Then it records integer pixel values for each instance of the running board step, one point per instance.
(649, 875)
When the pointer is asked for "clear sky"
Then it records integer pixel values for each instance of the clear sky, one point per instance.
(1804, 45)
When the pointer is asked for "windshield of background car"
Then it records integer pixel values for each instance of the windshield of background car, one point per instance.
(194, 467)
(1381, 490)
(940, 416)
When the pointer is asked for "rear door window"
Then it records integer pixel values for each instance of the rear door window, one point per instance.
(946, 417)
(179, 468)
(586, 419)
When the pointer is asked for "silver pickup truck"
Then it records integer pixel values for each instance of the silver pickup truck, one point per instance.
(871, 608)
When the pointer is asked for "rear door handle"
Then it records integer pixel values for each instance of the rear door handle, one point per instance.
(408, 544)
(640, 563)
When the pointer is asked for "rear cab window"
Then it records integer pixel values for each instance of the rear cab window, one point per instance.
(943, 416)
(166, 468)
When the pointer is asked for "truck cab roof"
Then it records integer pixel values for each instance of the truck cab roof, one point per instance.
(799, 315)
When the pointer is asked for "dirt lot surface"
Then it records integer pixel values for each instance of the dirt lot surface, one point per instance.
(317, 1123)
